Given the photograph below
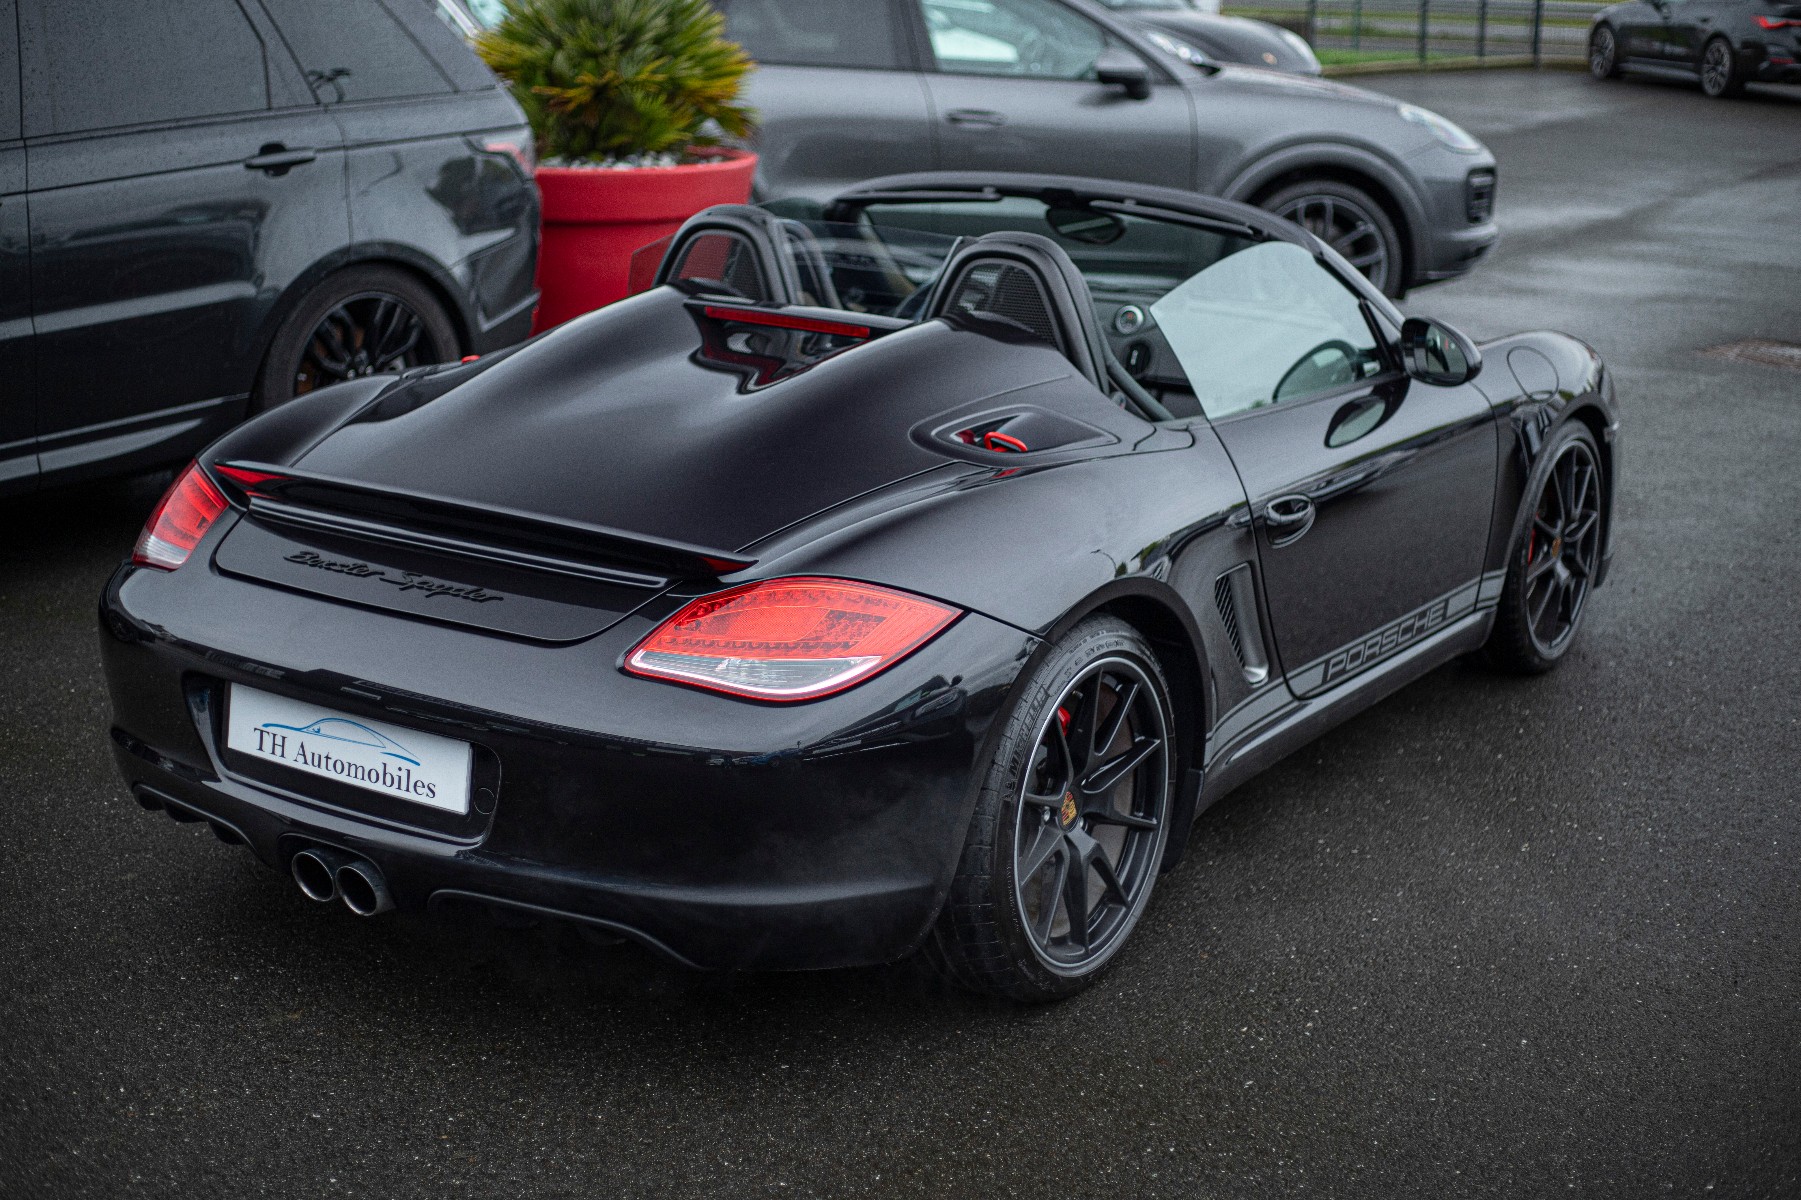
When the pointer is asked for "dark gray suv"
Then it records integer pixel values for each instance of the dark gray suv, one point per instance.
(851, 89)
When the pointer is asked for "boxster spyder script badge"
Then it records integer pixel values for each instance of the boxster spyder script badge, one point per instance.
(406, 581)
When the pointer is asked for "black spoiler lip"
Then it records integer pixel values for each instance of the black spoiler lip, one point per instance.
(289, 491)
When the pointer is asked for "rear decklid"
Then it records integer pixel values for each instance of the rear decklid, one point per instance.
(550, 494)
(624, 425)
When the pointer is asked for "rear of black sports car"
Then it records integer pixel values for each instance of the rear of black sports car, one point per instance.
(290, 654)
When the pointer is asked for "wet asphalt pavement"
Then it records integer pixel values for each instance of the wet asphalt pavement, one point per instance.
(1494, 937)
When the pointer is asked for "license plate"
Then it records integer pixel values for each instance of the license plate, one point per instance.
(374, 755)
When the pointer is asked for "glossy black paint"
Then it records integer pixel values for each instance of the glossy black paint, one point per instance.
(1671, 36)
(18, 459)
(164, 254)
(728, 832)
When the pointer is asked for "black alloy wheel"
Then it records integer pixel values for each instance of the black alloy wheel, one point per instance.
(1068, 833)
(1087, 830)
(1719, 70)
(1351, 222)
(1603, 53)
(371, 333)
(1555, 564)
(361, 322)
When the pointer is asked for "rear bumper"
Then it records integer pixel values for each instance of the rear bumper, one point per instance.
(1776, 69)
(722, 833)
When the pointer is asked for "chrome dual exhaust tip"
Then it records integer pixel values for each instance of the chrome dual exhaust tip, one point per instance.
(316, 871)
(362, 888)
(324, 874)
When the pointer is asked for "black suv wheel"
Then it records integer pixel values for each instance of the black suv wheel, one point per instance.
(370, 320)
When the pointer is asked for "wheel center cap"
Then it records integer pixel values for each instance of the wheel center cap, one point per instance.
(1067, 813)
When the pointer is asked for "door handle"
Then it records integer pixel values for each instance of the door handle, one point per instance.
(277, 159)
(983, 118)
(1288, 518)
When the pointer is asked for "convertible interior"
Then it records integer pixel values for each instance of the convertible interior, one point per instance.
(1174, 318)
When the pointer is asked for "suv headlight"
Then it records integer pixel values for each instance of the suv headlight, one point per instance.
(1448, 132)
(1298, 44)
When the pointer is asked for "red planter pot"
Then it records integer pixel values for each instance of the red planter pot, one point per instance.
(594, 220)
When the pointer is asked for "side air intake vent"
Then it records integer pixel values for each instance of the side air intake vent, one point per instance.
(1002, 291)
(1228, 613)
(1235, 596)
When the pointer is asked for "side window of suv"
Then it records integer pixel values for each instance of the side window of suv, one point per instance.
(1039, 39)
(817, 33)
(355, 51)
(106, 63)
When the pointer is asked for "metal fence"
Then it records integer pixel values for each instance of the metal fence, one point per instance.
(1352, 32)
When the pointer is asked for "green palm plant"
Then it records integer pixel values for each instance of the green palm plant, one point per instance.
(605, 80)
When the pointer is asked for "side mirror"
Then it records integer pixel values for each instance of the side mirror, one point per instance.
(1124, 70)
(1435, 353)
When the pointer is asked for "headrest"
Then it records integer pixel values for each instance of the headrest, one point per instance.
(1026, 282)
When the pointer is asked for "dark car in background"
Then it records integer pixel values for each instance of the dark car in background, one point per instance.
(1222, 39)
(208, 207)
(850, 89)
(1724, 44)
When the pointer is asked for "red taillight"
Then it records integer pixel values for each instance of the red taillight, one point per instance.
(1778, 23)
(248, 479)
(789, 639)
(182, 517)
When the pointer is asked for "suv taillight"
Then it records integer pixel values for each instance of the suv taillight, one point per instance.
(789, 639)
(182, 517)
(521, 151)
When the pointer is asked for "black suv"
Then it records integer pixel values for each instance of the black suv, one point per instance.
(210, 206)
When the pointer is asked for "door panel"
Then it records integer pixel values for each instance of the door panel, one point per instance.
(1063, 127)
(157, 253)
(1370, 545)
(1015, 90)
(18, 453)
(159, 250)
(836, 90)
(823, 129)
(1686, 23)
(1641, 31)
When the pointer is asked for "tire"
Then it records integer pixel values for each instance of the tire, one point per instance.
(362, 321)
(996, 933)
(1551, 567)
(1352, 222)
(1604, 53)
(1720, 76)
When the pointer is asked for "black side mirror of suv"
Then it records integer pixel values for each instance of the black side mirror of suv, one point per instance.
(1124, 70)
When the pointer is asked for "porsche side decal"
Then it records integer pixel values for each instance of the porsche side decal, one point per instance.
(1371, 649)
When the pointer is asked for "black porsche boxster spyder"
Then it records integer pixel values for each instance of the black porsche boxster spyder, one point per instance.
(899, 575)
